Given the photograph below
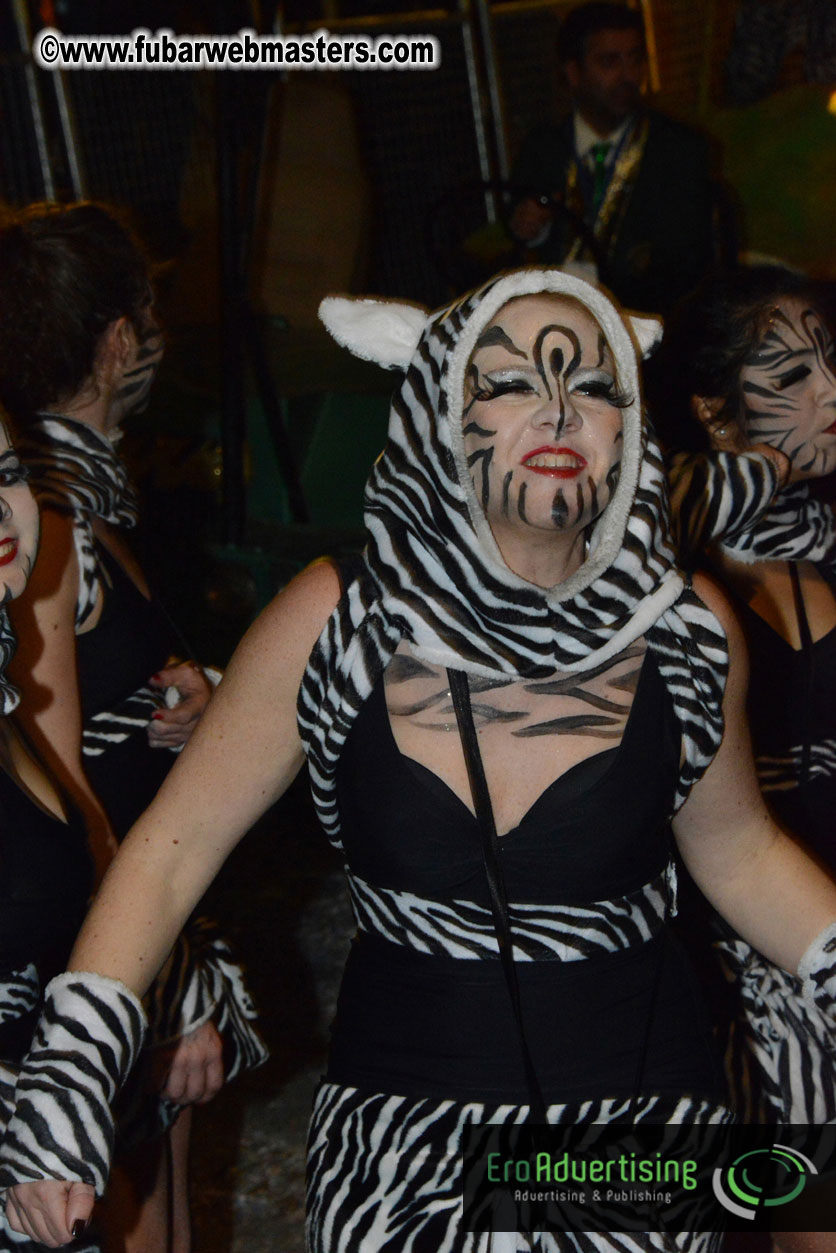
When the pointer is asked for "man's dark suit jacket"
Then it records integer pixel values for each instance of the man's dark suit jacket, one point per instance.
(665, 242)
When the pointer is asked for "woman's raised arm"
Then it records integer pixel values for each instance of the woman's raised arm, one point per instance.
(240, 759)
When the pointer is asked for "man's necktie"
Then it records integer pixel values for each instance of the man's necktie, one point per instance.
(599, 153)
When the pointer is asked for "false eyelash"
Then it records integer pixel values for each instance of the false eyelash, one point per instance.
(509, 387)
(608, 392)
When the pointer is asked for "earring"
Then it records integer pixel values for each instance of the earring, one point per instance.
(723, 432)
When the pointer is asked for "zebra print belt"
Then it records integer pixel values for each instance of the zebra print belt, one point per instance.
(541, 932)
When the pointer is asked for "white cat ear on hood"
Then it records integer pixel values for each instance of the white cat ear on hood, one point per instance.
(647, 332)
(384, 331)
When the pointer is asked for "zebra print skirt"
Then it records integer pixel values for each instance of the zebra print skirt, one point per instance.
(424, 1016)
(385, 1175)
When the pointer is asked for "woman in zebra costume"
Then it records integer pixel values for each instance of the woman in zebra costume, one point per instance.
(104, 700)
(747, 385)
(46, 873)
(517, 555)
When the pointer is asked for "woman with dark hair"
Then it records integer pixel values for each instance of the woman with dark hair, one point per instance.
(745, 389)
(78, 353)
(107, 684)
(750, 377)
(501, 703)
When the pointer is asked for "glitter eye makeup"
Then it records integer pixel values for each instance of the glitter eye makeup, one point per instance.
(542, 422)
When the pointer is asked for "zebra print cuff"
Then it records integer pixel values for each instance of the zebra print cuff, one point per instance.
(89, 1035)
(203, 980)
(817, 971)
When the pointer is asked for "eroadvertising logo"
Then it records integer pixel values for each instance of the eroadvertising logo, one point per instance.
(648, 1177)
(762, 1178)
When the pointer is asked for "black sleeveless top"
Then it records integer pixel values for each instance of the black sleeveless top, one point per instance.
(46, 876)
(424, 1024)
(131, 641)
(598, 831)
(790, 704)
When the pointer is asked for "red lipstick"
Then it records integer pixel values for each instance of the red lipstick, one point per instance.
(8, 551)
(555, 463)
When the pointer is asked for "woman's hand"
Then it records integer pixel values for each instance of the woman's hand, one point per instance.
(50, 1212)
(190, 1071)
(170, 728)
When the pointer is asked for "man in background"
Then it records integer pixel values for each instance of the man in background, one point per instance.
(616, 185)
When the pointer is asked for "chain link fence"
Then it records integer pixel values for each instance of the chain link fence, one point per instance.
(133, 136)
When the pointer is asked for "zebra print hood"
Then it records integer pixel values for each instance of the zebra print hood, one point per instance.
(433, 574)
(431, 551)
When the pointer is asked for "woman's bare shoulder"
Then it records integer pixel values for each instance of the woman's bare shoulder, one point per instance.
(309, 598)
(715, 598)
(285, 632)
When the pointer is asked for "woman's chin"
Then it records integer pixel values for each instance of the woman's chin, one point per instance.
(539, 528)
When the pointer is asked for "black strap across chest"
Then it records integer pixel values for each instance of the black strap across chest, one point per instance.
(460, 692)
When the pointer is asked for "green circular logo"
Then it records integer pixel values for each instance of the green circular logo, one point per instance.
(762, 1178)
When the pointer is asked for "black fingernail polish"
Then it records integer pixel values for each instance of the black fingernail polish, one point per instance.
(79, 1228)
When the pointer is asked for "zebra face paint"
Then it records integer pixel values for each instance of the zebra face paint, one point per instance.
(134, 387)
(19, 524)
(788, 390)
(542, 421)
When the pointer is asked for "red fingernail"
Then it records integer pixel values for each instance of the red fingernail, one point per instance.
(155, 676)
(158, 715)
(78, 1229)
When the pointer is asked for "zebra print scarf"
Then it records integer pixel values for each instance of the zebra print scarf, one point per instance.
(75, 469)
(734, 500)
(433, 572)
